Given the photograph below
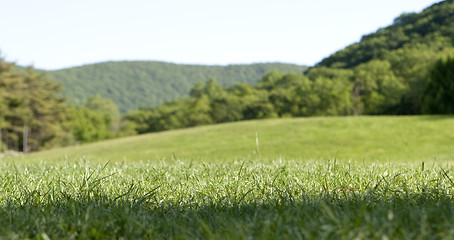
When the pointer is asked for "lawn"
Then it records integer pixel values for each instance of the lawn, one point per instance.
(310, 178)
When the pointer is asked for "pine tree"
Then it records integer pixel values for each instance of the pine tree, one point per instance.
(4, 68)
(47, 109)
(31, 112)
(11, 106)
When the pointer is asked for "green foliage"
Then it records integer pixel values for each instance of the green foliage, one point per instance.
(132, 85)
(31, 112)
(379, 89)
(438, 96)
(411, 65)
(335, 97)
(277, 95)
(407, 30)
(198, 111)
(89, 125)
(391, 65)
(98, 119)
(107, 108)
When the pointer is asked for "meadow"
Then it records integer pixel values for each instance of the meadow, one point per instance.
(306, 178)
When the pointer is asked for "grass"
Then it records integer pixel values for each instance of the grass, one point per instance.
(340, 187)
(289, 200)
(369, 139)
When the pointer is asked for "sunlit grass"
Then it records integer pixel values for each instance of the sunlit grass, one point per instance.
(315, 178)
(280, 200)
(370, 139)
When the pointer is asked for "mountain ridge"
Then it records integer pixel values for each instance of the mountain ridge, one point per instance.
(134, 84)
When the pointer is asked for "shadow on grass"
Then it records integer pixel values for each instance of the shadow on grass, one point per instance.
(325, 216)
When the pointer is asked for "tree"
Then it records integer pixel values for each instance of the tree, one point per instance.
(378, 89)
(141, 119)
(438, 97)
(226, 109)
(269, 80)
(171, 115)
(48, 110)
(258, 108)
(213, 90)
(335, 97)
(412, 64)
(100, 119)
(197, 91)
(32, 110)
(4, 72)
(89, 125)
(108, 109)
(199, 110)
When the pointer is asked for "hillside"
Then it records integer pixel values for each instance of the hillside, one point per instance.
(134, 84)
(433, 27)
(390, 69)
(376, 139)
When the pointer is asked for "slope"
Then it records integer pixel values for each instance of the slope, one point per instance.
(434, 25)
(134, 84)
(369, 139)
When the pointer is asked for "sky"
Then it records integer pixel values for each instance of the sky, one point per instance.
(56, 34)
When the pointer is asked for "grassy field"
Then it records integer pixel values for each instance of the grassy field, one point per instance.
(369, 139)
(314, 178)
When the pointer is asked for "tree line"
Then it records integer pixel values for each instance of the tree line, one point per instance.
(134, 84)
(34, 116)
(369, 89)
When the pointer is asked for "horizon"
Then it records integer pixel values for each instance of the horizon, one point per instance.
(196, 33)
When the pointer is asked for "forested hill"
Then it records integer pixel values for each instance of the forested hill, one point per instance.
(432, 28)
(134, 84)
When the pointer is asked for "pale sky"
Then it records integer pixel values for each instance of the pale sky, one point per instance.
(54, 34)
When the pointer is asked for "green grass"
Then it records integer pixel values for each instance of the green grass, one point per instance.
(370, 139)
(289, 200)
(315, 178)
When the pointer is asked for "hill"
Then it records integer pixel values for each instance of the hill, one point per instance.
(135, 84)
(375, 139)
(433, 27)
(390, 69)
